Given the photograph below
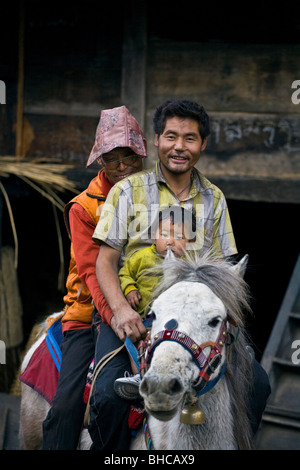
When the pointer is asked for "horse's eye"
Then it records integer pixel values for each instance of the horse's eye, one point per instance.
(214, 322)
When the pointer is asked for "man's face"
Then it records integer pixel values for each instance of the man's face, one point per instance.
(115, 169)
(179, 145)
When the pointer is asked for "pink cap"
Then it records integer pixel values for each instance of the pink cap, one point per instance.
(117, 128)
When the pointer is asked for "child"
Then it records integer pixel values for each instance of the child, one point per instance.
(176, 227)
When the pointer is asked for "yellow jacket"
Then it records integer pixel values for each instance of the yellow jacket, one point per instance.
(134, 275)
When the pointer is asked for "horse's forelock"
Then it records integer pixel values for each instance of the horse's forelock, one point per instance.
(218, 275)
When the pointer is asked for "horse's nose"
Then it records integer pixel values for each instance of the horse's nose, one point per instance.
(170, 385)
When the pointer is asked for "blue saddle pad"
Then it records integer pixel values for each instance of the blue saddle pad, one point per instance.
(53, 340)
(54, 337)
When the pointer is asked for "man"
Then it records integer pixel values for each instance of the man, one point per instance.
(181, 130)
(119, 148)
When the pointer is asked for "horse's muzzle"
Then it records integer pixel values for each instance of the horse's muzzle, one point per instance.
(162, 394)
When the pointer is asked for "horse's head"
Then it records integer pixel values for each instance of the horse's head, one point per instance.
(187, 346)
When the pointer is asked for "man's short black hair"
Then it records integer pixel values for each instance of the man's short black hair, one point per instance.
(183, 109)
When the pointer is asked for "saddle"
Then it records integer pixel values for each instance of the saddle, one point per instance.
(43, 369)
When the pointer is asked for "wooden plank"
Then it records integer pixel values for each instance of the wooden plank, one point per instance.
(79, 90)
(258, 189)
(72, 59)
(224, 76)
(67, 138)
(233, 133)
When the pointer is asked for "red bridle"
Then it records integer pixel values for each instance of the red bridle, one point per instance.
(206, 364)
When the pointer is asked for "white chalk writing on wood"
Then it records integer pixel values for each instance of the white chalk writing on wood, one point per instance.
(269, 134)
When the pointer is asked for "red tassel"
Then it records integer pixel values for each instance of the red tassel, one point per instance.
(135, 417)
(86, 393)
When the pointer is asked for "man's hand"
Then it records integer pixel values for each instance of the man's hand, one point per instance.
(128, 323)
(133, 298)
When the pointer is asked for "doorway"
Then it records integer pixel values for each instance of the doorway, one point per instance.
(268, 233)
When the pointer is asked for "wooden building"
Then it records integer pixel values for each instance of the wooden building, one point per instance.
(62, 63)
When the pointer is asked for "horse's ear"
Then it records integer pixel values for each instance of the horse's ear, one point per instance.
(241, 266)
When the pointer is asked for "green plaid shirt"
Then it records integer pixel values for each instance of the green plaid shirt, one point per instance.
(133, 203)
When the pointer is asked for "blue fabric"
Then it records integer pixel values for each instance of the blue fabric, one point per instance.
(53, 340)
(131, 347)
(132, 351)
(211, 383)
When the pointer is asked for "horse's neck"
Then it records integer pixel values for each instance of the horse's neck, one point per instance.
(215, 433)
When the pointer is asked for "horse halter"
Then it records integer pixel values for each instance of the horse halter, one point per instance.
(206, 364)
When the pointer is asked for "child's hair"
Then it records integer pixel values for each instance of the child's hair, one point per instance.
(178, 215)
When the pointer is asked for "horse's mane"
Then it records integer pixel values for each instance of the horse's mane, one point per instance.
(229, 286)
(225, 282)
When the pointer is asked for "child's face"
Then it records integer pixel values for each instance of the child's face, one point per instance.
(170, 236)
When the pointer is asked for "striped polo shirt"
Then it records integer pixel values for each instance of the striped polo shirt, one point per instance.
(132, 206)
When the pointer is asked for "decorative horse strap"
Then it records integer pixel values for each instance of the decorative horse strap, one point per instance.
(206, 364)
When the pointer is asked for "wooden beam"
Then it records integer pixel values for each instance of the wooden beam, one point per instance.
(259, 189)
(134, 58)
(20, 88)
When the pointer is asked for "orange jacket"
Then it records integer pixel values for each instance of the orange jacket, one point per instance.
(78, 300)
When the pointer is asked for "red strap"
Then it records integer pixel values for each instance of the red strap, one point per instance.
(204, 375)
(182, 338)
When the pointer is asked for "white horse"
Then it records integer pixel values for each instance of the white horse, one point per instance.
(34, 408)
(197, 385)
(196, 335)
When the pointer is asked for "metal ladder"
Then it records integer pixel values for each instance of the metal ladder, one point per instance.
(280, 426)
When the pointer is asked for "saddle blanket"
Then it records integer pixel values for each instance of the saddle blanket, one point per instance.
(42, 372)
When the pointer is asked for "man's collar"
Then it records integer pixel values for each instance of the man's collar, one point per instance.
(199, 182)
(159, 174)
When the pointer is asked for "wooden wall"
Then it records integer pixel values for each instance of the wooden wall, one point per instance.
(246, 89)
(80, 58)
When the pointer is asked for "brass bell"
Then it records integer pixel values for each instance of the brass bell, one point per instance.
(191, 414)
